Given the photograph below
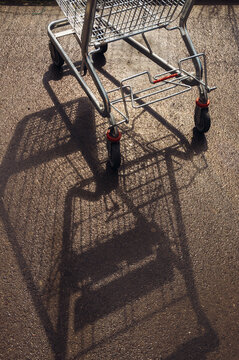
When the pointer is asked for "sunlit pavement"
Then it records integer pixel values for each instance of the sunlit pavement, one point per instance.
(139, 264)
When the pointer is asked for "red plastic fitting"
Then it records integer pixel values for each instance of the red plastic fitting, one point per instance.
(202, 105)
(165, 78)
(112, 138)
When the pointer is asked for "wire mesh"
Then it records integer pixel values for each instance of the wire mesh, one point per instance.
(115, 19)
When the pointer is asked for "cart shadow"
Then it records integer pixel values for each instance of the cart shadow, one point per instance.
(115, 272)
(28, 2)
(95, 273)
(216, 2)
(103, 244)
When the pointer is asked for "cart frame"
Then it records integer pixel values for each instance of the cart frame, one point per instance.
(174, 77)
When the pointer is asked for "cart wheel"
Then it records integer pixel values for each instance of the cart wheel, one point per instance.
(55, 55)
(103, 48)
(202, 119)
(114, 154)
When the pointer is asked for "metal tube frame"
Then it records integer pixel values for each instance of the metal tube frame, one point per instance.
(104, 108)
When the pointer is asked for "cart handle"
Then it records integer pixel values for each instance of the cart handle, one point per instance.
(165, 78)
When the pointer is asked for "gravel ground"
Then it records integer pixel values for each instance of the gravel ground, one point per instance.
(142, 264)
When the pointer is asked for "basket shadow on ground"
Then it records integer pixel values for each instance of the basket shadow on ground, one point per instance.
(28, 2)
(53, 2)
(89, 244)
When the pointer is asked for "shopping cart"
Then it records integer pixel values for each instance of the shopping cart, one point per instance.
(95, 23)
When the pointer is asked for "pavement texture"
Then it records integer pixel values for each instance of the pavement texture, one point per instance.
(142, 264)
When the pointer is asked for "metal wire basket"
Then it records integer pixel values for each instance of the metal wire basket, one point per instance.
(116, 19)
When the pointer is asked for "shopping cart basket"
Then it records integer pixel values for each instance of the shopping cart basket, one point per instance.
(95, 23)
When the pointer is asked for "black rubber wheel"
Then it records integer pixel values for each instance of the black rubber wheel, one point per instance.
(55, 55)
(114, 154)
(103, 48)
(202, 119)
(98, 57)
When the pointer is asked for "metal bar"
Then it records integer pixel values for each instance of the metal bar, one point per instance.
(65, 33)
(103, 110)
(157, 100)
(187, 39)
(88, 25)
(152, 56)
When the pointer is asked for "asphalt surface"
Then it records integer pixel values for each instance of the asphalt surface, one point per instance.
(139, 265)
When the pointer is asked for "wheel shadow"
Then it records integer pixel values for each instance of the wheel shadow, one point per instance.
(101, 253)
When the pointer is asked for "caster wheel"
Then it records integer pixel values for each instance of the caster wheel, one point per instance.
(114, 154)
(98, 57)
(202, 119)
(103, 48)
(55, 55)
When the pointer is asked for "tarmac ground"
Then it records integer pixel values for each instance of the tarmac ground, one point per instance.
(136, 265)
